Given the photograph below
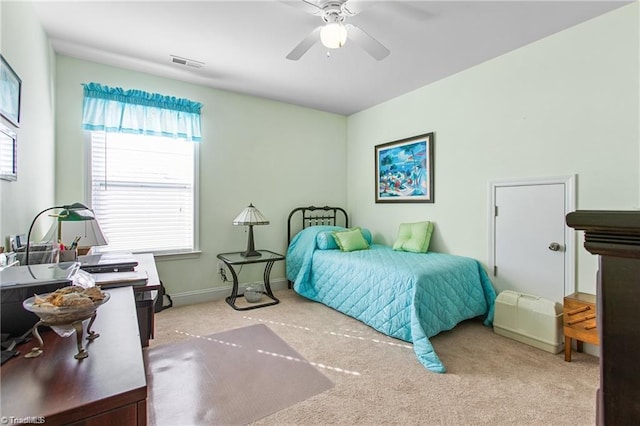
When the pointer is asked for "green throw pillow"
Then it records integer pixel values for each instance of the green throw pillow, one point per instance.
(350, 240)
(414, 237)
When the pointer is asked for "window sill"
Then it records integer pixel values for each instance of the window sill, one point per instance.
(158, 255)
(166, 256)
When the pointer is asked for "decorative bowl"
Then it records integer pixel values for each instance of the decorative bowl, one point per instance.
(253, 293)
(63, 315)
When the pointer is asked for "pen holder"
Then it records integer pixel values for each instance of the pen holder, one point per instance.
(68, 255)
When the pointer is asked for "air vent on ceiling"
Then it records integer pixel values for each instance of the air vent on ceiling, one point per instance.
(186, 62)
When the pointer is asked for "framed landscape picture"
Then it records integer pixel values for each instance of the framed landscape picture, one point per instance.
(404, 170)
(10, 88)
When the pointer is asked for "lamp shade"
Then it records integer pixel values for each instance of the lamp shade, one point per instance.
(75, 215)
(250, 216)
(89, 233)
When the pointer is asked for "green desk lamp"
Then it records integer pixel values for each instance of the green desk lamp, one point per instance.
(71, 212)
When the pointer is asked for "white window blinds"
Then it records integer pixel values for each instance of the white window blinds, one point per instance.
(142, 191)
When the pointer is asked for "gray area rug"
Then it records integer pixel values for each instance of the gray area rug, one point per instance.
(230, 378)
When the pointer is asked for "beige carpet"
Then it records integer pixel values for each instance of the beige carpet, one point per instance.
(233, 377)
(491, 380)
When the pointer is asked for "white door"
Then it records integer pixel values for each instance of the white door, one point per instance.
(532, 246)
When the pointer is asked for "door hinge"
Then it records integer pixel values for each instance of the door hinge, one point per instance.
(495, 270)
(495, 210)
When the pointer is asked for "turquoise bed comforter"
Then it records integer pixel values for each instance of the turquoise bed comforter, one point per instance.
(409, 296)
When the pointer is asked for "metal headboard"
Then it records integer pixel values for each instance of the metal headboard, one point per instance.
(312, 215)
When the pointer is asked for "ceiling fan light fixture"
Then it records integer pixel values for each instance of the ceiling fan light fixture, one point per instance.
(333, 35)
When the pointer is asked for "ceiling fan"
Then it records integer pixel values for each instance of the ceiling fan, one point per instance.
(334, 32)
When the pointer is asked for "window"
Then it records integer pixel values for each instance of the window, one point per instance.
(143, 165)
(8, 158)
(143, 191)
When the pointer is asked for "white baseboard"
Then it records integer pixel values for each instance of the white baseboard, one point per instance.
(591, 349)
(217, 293)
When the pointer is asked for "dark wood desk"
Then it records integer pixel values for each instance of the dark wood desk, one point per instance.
(107, 387)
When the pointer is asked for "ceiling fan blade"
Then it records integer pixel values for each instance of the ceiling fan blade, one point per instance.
(305, 44)
(305, 5)
(372, 46)
(311, 5)
(353, 7)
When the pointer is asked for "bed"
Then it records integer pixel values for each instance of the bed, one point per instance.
(409, 296)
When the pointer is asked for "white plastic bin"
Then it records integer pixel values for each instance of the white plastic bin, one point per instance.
(529, 319)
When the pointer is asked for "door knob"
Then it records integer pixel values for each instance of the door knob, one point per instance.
(554, 246)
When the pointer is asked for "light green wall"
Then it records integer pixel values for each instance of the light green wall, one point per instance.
(567, 104)
(26, 47)
(274, 155)
(563, 105)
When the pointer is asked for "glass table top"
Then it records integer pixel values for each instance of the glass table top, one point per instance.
(236, 258)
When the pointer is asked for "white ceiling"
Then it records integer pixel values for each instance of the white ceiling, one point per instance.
(243, 44)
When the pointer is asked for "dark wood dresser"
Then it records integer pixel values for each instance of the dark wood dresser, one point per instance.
(108, 387)
(615, 237)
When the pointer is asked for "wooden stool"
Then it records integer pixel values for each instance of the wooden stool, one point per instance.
(579, 322)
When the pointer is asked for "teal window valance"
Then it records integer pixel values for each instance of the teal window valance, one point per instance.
(115, 110)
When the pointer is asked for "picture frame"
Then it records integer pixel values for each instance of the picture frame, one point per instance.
(8, 154)
(404, 170)
(10, 93)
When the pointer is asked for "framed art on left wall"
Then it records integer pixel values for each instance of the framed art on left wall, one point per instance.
(10, 90)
